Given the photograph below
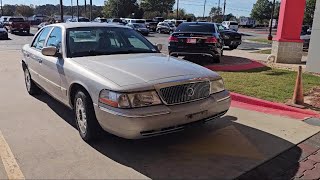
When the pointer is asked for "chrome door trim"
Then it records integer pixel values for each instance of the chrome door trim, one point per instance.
(131, 116)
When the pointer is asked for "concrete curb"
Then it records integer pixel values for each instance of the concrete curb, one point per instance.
(271, 107)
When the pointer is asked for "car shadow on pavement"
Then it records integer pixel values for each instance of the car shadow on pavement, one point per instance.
(24, 34)
(220, 149)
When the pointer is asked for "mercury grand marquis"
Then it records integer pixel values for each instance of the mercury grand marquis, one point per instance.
(115, 80)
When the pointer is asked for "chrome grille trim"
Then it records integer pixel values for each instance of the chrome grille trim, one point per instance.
(179, 94)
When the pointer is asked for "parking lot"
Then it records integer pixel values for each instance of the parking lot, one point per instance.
(38, 138)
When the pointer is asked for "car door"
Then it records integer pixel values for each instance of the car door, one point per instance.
(34, 56)
(52, 66)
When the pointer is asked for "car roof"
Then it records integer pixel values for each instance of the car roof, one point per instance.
(86, 24)
(198, 23)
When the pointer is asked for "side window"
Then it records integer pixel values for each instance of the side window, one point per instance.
(40, 40)
(55, 38)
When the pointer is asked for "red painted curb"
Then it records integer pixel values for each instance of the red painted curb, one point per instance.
(236, 67)
(260, 105)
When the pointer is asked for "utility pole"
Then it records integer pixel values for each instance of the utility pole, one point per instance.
(219, 7)
(204, 8)
(90, 10)
(271, 23)
(78, 12)
(177, 9)
(85, 8)
(1, 7)
(61, 11)
(224, 9)
(71, 9)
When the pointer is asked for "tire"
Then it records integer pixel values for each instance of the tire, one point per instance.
(28, 32)
(232, 47)
(217, 59)
(85, 117)
(159, 31)
(31, 87)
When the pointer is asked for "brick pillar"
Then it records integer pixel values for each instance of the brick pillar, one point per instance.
(313, 62)
(287, 45)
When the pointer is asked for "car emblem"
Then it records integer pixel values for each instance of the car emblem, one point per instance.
(191, 35)
(190, 92)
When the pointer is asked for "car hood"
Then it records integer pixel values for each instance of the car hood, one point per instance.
(130, 69)
(3, 30)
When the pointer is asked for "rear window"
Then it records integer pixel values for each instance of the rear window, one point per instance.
(233, 23)
(16, 19)
(187, 27)
(83, 20)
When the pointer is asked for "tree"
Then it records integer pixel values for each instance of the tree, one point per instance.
(262, 10)
(215, 11)
(25, 11)
(276, 10)
(309, 12)
(120, 8)
(161, 6)
(8, 10)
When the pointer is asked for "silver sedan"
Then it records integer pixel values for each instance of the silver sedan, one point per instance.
(115, 80)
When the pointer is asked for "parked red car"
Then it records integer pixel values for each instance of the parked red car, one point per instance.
(17, 24)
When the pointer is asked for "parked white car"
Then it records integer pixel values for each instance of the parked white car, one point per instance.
(232, 25)
(116, 80)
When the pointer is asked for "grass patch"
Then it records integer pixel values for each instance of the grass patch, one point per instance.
(261, 40)
(270, 84)
(265, 51)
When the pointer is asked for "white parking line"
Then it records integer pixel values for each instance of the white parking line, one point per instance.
(10, 164)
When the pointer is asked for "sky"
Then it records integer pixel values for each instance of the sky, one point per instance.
(236, 7)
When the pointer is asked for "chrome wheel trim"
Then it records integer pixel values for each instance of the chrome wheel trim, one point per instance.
(27, 79)
(81, 116)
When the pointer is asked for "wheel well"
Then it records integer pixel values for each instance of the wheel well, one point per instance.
(24, 65)
(73, 90)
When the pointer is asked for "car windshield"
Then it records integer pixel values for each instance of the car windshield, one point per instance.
(233, 23)
(16, 19)
(171, 24)
(196, 27)
(94, 41)
(139, 25)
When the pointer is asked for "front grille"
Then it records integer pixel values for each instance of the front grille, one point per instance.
(185, 92)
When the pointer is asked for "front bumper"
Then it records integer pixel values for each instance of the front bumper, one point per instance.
(230, 42)
(156, 120)
(3, 35)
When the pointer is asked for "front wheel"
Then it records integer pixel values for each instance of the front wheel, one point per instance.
(31, 87)
(86, 120)
(232, 47)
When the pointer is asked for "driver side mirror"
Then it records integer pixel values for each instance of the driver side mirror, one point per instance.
(50, 51)
(159, 46)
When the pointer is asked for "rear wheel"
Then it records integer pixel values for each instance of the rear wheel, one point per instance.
(216, 59)
(31, 87)
(86, 120)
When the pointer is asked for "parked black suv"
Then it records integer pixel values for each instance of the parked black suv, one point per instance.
(230, 38)
(196, 39)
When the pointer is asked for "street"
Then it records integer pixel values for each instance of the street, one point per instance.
(40, 139)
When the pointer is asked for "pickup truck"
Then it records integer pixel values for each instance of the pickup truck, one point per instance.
(17, 24)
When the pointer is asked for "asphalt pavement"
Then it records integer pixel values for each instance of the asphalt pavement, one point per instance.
(40, 141)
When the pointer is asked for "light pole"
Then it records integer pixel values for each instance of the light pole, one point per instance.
(1, 8)
(177, 9)
(90, 10)
(271, 22)
(61, 10)
(204, 8)
(85, 8)
(224, 9)
(78, 13)
(71, 9)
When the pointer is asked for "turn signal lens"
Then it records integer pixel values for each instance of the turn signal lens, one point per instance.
(114, 99)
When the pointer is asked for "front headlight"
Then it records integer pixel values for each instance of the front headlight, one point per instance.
(129, 100)
(226, 37)
(142, 99)
(216, 86)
